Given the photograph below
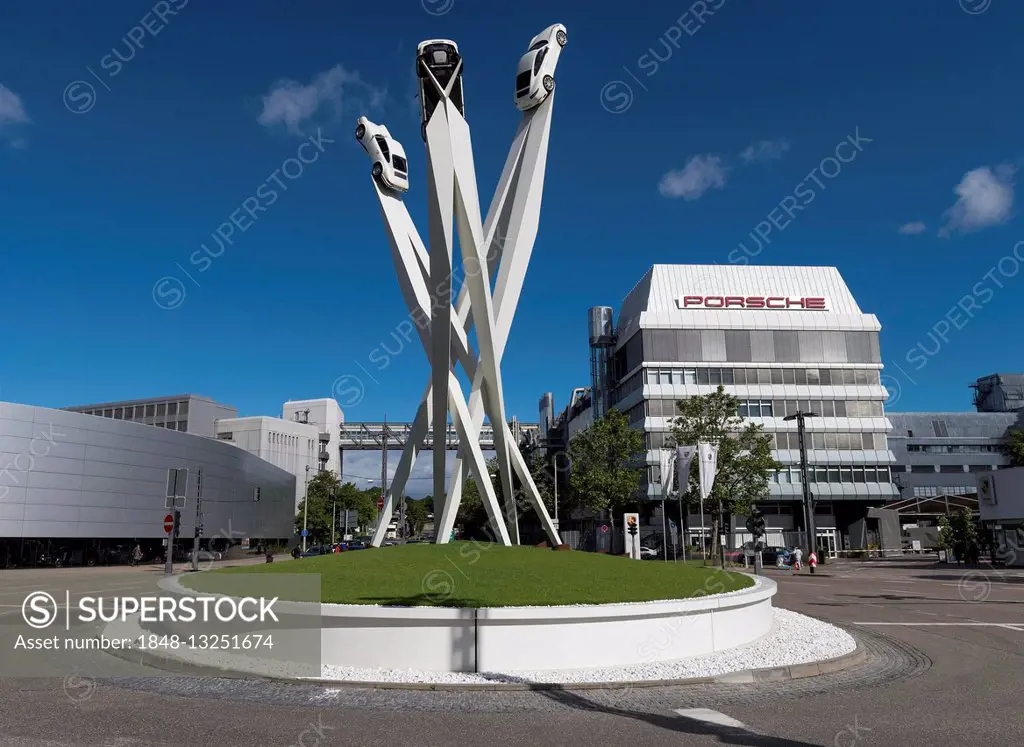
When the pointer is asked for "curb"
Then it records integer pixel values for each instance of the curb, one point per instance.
(744, 677)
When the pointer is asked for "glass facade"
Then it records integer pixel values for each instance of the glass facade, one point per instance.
(833, 374)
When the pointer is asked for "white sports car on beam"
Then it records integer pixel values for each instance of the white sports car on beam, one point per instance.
(439, 58)
(535, 78)
(390, 167)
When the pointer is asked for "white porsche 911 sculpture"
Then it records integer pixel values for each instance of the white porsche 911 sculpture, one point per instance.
(439, 58)
(390, 167)
(535, 78)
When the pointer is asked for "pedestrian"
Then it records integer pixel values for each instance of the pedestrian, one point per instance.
(797, 555)
(812, 560)
(296, 552)
(136, 554)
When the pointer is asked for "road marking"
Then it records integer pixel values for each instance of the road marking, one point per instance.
(903, 591)
(1011, 626)
(712, 717)
(137, 585)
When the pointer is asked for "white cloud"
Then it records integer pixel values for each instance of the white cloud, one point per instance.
(766, 150)
(912, 228)
(292, 104)
(701, 173)
(984, 198)
(11, 109)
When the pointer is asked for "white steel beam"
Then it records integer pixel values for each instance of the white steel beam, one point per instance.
(407, 250)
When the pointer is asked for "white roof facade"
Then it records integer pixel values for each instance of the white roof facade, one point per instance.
(657, 300)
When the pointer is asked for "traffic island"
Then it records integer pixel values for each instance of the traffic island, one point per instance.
(508, 615)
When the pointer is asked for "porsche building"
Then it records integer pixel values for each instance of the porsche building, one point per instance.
(781, 339)
(75, 487)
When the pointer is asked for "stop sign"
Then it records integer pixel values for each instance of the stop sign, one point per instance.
(380, 504)
(169, 523)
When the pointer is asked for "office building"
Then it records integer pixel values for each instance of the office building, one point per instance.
(1001, 507)
(999, 393)
(303, 441)
(70, 479)
(942, 453)
(188, 413)
(781, 339)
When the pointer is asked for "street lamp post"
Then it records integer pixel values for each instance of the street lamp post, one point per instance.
(305, 511)
(554, 479)
(809, 528)
(334, 515)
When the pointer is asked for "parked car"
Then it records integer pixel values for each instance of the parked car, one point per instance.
(356, 545)
(649, 552)
(312, 552)
(535, 77)
(390, 166)
(440, 59)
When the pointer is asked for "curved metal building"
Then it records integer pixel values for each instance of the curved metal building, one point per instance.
(71, 476)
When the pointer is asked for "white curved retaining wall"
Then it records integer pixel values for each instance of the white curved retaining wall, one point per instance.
(506, 639)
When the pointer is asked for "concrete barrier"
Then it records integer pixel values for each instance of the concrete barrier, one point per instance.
(507, 639)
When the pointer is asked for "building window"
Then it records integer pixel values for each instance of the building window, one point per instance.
(951, 468)
(183, 408)
(118, 413)
(161, 408)
(150, 411)
(108, 413)
(172, 408)
(182, 425)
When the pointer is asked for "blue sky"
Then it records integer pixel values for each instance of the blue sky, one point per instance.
(114, 173)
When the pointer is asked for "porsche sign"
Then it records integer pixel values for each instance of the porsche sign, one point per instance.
(771, 303)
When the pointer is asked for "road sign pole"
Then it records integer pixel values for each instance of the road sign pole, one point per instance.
(169, 560)
(199, 520)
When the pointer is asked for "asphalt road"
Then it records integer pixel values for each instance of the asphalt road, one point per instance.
(945, 647)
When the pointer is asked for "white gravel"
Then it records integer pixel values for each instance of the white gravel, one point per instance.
(795, 639)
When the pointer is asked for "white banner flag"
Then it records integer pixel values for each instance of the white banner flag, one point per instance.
(708, 466)
(666, 462)
(684, 458)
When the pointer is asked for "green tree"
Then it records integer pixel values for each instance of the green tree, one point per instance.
(607, 464)
(1015, 447)
(368, 508)
(471, 516)
(745, 461)
(320, 505)
(543, 473)
(351, 498)
(415, 516)
(958, 533)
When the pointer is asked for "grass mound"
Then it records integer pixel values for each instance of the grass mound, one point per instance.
(471, 574)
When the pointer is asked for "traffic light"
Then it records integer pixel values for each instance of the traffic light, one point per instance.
(177, 523)
(755, 524)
